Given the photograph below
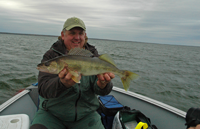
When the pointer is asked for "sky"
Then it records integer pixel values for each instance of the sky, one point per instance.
(174, 22)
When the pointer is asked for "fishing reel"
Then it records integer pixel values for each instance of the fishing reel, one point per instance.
(192, 117)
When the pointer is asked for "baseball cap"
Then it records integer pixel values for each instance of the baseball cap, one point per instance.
(73, 22)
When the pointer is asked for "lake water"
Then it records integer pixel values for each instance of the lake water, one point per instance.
(168, 73)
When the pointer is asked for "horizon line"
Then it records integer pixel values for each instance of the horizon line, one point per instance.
(99, 39)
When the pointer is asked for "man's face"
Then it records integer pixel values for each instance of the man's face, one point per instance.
(74, 38)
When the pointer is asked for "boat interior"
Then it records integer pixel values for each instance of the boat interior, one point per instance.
(161, 115)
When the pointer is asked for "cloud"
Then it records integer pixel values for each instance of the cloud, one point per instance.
(155, 21)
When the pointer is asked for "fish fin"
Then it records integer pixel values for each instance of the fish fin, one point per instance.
(127, 77)
(80, 52)
(76, 77)
(74, 73)
(107, 58)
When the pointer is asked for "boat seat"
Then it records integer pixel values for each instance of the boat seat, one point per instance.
(16, 121)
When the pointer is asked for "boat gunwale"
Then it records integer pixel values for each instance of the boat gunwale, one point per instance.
(151, 101)
(13, 99)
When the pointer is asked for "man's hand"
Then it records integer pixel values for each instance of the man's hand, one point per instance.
(66, 78)
(104, 79)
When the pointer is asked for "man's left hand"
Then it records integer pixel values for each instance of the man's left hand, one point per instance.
(104, 79)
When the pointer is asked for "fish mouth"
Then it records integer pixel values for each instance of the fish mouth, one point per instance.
(39, 65)
(43, 69)
(38, 68)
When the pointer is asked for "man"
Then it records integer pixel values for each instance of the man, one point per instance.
(64, 103)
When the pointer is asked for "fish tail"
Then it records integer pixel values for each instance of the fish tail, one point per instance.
(127, 76)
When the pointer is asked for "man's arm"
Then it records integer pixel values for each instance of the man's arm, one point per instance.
(49, 85)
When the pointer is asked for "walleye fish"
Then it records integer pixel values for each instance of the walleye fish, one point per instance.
(80, 61)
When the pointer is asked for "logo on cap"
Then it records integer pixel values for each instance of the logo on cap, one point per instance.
(76, 20)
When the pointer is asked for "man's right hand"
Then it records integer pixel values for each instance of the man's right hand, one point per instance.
(66, 78)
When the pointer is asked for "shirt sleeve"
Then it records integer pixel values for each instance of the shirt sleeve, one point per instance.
(98, 90)
(49, 85)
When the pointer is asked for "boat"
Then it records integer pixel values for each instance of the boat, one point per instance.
(18, 111)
